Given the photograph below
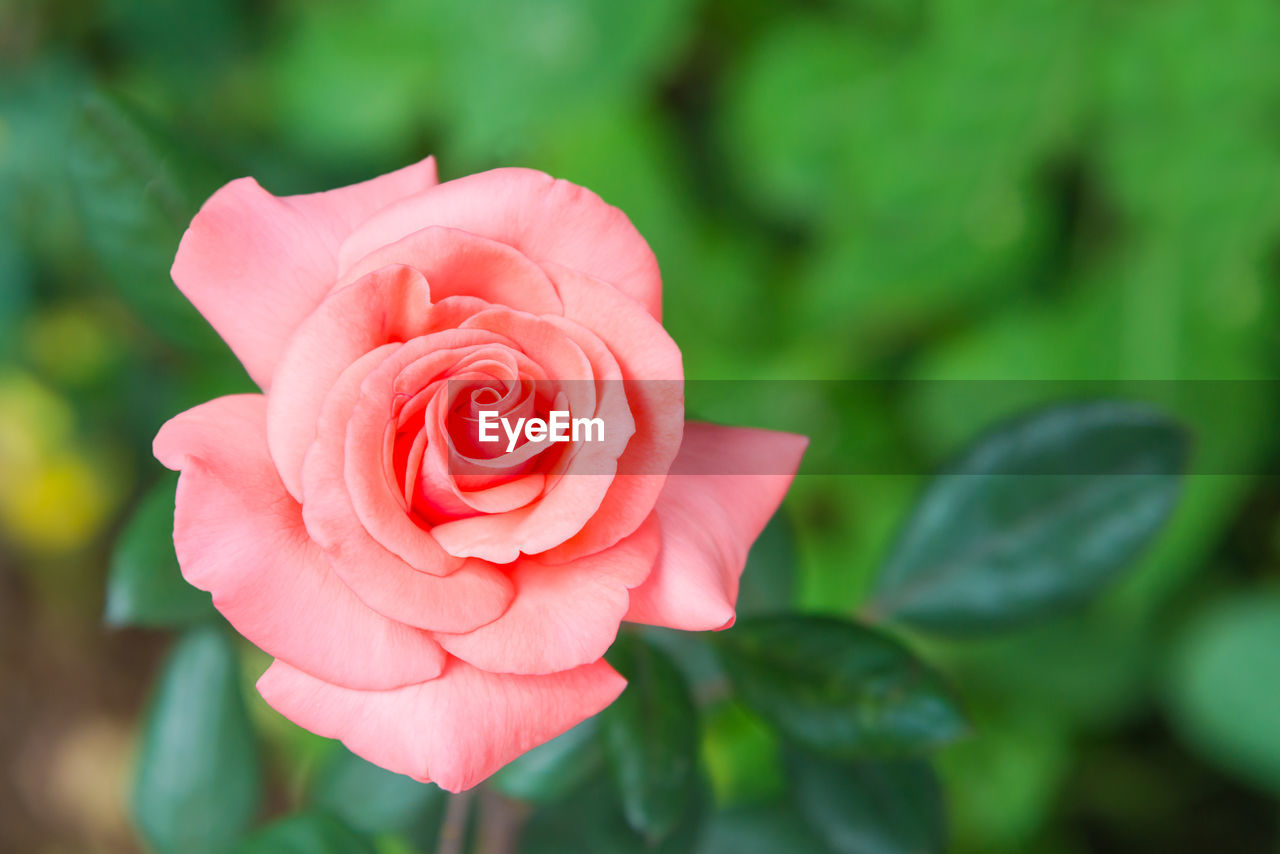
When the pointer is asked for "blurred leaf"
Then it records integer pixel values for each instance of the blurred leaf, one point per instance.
(198, 782)
(314, 832)
(551, 770)
(375, 800)
(1225, 686)
(145, 586)
(573, 57)
(871, 807)
(741, 755)
(651, 738)
(137, 191)
(1004, 785)
(839, 688)
(1035, 518)
(592, 820)
(769, 829)
(769, 580)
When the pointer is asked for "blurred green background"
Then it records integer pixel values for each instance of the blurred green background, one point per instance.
(868, 189)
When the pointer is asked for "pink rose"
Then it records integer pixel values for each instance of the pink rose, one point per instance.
(438, 605)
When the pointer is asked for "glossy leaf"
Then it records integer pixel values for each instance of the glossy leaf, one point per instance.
(198, 781)
(314, 832)
(145, 586)
(871, 807)
(761, 829)
(1034, 519)
(650, 737)
(592, 819)
(836, 687)
(551, 770)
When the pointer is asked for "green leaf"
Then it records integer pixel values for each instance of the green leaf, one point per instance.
(1225, 686)
(767, 829)
(592, 819)
(376, 800)
(137, 191)
(869, 807)
(1034, 519)
(651, 738)
(769, 580)
(741, 754)
(840, 688)
(314, 832)
(551, 770)
(198, 783)
(145, 586)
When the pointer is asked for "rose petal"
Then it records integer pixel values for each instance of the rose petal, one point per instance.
(547, 220)
(455, 730)
(239, 536)
(442, 593)
(652, 366)
(458, 263)
(563, 615)
(388, 305)
(709, 522)
(574, 497)
(255, 264)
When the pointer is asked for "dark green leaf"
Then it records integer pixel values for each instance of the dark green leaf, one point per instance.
(768, 829)
(376, 800)
(591, 820)
(550, 771)
(145, 586)
(137, 191)
(1034, 519)
(869, 807)
(198, 782)
(769, 580)
(651, 736)
(315, 832)
(840, 688)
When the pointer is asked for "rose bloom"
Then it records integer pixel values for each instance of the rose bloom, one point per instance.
(441, 605)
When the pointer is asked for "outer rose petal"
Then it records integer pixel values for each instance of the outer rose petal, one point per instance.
(709, 522)
(546, 219)
(240, 536)
(564, 615)
(455, 730)
(255, 265)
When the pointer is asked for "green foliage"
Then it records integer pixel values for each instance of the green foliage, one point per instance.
(1035, 518)
(145, 586)
(552, 770)
(592, 819)
(374, 800)
(650, 736)
(839, 688)
(315, 832)
(768, 581)
(137, 191)
(198, 782)
(869, 807)
(761, 830)
(1224, 685)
